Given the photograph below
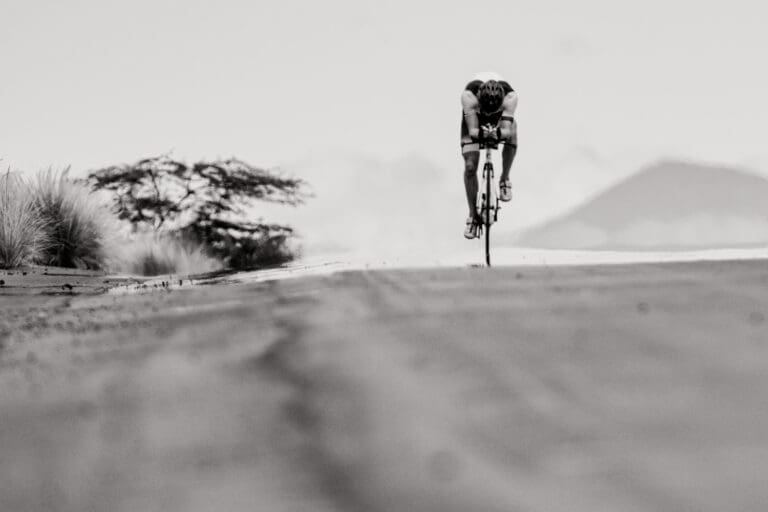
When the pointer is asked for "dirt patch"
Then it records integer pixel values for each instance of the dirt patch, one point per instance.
(57, 281)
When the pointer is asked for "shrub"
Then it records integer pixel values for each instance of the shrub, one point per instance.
(78, 223)
(243, 245)
(154, 255)
(254, 253)
(22, 230)
(210, 202)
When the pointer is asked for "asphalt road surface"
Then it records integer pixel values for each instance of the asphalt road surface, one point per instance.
(613, 388)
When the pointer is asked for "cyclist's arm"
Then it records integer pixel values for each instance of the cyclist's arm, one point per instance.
(506, 126)
(469, 106)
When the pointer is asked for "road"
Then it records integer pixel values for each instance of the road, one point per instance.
(606, 388)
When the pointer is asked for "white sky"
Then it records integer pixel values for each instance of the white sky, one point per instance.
(96, 82)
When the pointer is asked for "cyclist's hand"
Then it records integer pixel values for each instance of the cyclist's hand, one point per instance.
(489, 134)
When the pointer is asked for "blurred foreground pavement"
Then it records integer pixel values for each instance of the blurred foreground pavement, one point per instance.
(626, 388)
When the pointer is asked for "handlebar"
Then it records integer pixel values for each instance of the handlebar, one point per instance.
(488, 145)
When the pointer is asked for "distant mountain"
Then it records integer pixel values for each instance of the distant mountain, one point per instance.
(670, 205)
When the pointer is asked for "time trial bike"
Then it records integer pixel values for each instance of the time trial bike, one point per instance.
(488, 196)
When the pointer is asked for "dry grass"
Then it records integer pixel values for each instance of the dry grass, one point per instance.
(23, 234)
(154, 255)
(53, 220)
(78, 223)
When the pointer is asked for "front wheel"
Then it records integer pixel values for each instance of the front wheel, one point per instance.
(487, 217)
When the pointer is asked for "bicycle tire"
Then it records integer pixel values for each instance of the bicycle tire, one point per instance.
(487, 219)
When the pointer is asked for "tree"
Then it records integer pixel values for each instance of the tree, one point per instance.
(207, 201)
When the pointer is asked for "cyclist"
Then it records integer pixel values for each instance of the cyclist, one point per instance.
(487, 100)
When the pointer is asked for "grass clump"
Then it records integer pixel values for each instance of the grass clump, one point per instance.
(77, 222)
(155, 255)
(23, 233)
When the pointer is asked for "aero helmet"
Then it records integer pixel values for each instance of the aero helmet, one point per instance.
(491, 96)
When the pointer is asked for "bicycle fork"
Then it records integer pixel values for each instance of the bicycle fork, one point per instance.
(487, 200)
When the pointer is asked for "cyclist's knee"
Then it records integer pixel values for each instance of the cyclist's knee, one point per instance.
(471, 161)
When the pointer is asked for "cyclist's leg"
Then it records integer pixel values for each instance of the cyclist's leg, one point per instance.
(471, 153)
(508, 154)
(471, 161)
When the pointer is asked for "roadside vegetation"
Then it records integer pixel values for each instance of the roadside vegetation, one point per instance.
(210, 204)
(155, 255)
(156, 217)
(76, 220)
(23, 237)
